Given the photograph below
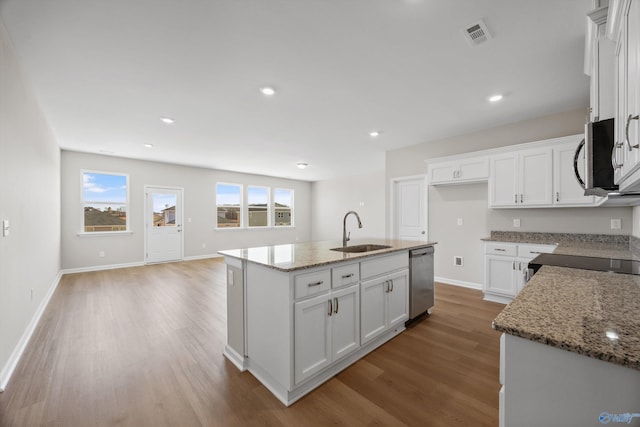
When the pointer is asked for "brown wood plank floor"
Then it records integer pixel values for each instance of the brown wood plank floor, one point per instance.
(143, 347)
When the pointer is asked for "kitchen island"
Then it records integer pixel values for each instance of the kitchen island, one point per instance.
(298, 314)
(570, 352)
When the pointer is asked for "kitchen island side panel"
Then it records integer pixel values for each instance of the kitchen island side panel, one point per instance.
(269, 322)
(548, 386)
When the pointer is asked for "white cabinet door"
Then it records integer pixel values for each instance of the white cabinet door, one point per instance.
(500, 274)
(535, 177)
(345, 321)
(398, 298)
(503, 185)
(442, 172)
(312, 336)
(474, 169)
(620, 156)
(567, 191)
(373, 308)
(633, 81)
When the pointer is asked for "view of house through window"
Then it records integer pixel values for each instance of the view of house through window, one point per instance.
(105, 202)
(164, 210)
(229, 205)
(283, 207)
(258, 206)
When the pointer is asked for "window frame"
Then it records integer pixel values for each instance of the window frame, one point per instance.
(241, 224)
(291, 208)
(269, 219)
(83, 203)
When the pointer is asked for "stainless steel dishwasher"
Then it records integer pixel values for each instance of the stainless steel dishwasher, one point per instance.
(421, 287)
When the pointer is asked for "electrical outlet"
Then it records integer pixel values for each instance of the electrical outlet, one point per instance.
(460, 221)
(616, 224)
(516, 222)
(101, 254)
(458, 261)
(230, 277)
(204, 245)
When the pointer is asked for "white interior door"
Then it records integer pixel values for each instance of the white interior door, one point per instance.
(163, 224)
(409, 205)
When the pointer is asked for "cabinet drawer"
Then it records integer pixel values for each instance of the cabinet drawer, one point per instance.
(532, 251)
(312, 283)
(382, 265)
(501, 249)
(345, 275)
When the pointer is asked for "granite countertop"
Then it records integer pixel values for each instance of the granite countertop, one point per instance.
(592, 245)
(593, 313)
(298, 256)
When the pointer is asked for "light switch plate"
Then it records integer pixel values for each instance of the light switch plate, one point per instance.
(616, 224)
(516, 222)
(460, 222)
(5, 227)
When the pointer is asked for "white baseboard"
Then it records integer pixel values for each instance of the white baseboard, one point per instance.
(101, 267)
(10, 366)
(456, 282)
(193, 258)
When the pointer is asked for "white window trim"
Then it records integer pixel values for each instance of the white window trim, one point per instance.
(242, 203)
(269, 219)
(82, 203)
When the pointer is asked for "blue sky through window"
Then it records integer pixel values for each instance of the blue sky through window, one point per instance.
(257, 195)
(283, 197)
(227, 194)
(104, 188)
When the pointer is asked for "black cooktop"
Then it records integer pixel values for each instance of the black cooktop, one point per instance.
(625, 266)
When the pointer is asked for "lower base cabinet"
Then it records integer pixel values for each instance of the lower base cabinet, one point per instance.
(384, 304)
(327, 327)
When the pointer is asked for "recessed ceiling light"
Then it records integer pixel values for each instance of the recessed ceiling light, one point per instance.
(495, 98)
(374, 134)
(268, 91)
(167, 120)
(148, 145)
(302, 165)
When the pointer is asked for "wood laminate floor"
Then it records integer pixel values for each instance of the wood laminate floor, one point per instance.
(143, 347)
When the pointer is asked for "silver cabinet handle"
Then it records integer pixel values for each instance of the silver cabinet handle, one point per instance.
(626, 131)
(330, 308)
(614, 157)
(521, 198)
(391, 281)
(520, 266)
(500, 250)
(386, 282)
(346, 276)
(557, 196)
(315, 283)
(513, 266)
(515, 198)
(335, 308)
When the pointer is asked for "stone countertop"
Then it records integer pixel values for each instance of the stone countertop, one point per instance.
(592, 245)
(298, 256)
(593, 313)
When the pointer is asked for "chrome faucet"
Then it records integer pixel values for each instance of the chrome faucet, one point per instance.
(345, 237)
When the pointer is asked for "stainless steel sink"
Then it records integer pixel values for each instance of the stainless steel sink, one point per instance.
(360, 248)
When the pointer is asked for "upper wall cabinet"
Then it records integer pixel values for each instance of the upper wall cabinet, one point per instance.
(599, 64)
(623, 26)
(521, 179)
(459, 171)
(567, 191)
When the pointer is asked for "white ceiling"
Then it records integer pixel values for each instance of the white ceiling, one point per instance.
(104, 73)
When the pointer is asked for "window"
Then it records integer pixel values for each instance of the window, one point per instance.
(283, 207)
(229, 205)
(105, 202)
(258, 206)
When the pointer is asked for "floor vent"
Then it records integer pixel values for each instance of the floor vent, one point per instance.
(457, 261)
(476, 33)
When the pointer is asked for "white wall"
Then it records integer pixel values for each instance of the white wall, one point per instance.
(332, 199)
(81, 252)
(470, 202)
(30, 189)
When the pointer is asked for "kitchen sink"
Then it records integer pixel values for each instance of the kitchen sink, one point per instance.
(360, 248)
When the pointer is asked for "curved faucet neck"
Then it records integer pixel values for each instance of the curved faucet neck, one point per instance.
(345, 237)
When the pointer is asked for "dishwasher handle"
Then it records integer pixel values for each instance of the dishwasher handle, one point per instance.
(421, 252)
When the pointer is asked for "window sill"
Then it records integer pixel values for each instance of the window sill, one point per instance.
(103, 233)
(254, 228)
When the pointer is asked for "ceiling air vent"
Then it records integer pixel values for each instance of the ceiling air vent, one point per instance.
(476, 33)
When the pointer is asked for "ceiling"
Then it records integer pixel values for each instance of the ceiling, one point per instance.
(105, 72)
